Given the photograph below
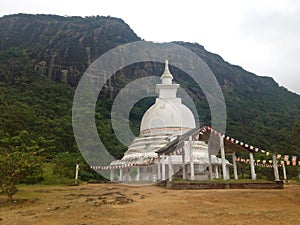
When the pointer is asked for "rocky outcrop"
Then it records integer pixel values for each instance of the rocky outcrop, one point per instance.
(63, 47)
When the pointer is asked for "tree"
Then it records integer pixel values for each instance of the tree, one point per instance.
(19, 158)
(296, 134)
(15, 65)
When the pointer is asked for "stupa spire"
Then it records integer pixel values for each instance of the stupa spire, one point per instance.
(166, 77)
(167, 89)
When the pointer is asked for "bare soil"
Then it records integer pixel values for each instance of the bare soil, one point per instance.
(120, 204)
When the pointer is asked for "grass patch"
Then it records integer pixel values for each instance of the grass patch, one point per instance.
(50, 178)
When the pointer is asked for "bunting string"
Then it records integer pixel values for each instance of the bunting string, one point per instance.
(282, 159)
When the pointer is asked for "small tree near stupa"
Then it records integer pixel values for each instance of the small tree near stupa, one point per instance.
(19, 158)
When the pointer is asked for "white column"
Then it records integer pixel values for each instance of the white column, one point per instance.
(234, 166)
(275, 167)
(76, 172)
(112, 175)
(217, 171)
(223, 158)
(121, 175)
(253, 175)
(227, 173)
(163, 167)
(170, 168)
(138, 175)
(210, 166)
(158, 168)
(191, 159)
(183, 165)
(284, 171)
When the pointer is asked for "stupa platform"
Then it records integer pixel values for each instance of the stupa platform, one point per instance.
(221, 184)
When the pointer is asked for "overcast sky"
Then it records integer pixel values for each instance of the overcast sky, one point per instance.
(262, 36)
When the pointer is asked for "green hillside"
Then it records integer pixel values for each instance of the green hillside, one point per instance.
(42, 58)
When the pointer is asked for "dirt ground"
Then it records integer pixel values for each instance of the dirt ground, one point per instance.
(120, 204)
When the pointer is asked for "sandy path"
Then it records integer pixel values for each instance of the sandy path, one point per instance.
(120, 204)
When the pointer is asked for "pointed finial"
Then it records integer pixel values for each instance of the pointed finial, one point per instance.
(166, 65)
(167, 77)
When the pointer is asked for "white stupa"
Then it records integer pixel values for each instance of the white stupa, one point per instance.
(168, 114)
(162, 123)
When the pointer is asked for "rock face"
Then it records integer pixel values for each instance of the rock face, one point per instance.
(63, 47)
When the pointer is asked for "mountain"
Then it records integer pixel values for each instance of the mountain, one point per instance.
(42, 58)
(63, 47)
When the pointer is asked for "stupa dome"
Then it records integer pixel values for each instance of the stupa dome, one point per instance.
(168, 115)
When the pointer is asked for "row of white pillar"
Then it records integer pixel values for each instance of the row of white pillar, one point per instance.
(161, 174)
(225, 173)
(162, 162)
(161, 169)
(112, 175)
